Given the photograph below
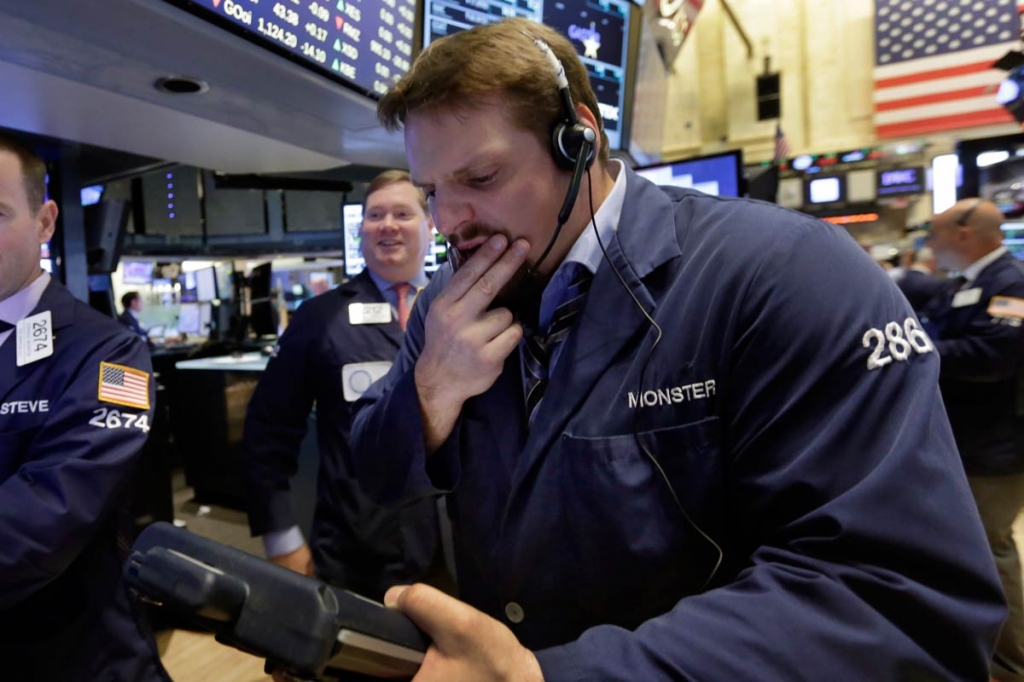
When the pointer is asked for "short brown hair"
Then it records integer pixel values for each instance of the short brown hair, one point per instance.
(33, 171)
(460, 70)
(393, 177)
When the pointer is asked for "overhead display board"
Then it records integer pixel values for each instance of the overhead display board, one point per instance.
(605, 34)
(365, 44)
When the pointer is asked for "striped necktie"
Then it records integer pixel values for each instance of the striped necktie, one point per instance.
(402, 291)
(539, 348)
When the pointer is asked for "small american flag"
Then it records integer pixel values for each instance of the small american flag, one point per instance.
(781, 145)
(933, 63)
(124, 386)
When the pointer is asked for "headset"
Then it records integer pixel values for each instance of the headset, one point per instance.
(572, 143)
(573, 148)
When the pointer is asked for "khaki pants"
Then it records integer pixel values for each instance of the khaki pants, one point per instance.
(999, 500)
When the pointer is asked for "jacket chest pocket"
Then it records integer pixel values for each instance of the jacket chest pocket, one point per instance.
(619, 495)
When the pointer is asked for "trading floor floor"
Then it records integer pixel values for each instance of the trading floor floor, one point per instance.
(196, 657)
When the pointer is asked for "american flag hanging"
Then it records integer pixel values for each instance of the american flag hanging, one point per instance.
(933, 63)
(781, 145)
(123, 386)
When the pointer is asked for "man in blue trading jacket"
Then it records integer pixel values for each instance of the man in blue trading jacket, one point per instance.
(76, 392)
(978, 332)
(713, 484)
(335, 346)
(129, 317)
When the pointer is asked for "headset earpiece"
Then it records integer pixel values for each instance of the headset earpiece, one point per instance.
(567, 141)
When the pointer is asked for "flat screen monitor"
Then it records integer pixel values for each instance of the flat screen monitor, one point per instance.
(260, 282)
(364, 44)
(189, 318)
(719, 174)
(105, 225)
(137, 272)
(352, 217)
(205, 317)
(901, 181)
(605, 33)
(206, 285)
(225, 276)
(825, 190)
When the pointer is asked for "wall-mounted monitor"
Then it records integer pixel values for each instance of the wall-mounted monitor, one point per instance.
(137, 272)
(719, 174)
(826, 190)
(605, 33)
(364, 44)
(900, 182)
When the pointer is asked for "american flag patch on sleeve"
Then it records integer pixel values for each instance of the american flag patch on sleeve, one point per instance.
(1006, 306)
(123, 386)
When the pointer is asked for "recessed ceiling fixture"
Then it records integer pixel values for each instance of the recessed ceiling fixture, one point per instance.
(181, 85)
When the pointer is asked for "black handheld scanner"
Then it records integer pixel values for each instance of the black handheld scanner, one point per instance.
(300, 624)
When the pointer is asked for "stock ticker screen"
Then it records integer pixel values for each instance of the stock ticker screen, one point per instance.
(365, 43)
(598, 29)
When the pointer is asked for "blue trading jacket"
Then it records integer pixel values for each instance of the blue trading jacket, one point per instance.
(982, 351)
(355, 542)
(66, 462)
(799, 424)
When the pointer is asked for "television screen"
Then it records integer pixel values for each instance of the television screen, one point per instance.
(206, 285)
(365, 45)
(605, 34)
(824, 190)
(137, 272)
(189, 321)
(718, 175)
(170, 202)
(900, 181)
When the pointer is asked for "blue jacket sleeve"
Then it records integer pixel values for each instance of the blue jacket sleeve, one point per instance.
(858, 552)
(75, 467)
(388, 451)
(276, 421)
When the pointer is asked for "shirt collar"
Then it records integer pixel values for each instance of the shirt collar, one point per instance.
(587, 250)
(17, 307)
(417, 282)
(972, 271)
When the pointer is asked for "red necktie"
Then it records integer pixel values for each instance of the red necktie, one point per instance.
(402, 290)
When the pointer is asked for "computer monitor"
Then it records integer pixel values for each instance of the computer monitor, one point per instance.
(137, 272)
(352, 217)
(718, 174)
(189, 321)
(825, 190)
(206, 285)
(205, 318)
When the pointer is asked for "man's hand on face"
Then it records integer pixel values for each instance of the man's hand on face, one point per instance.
(466, 344)
(468, 646)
